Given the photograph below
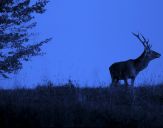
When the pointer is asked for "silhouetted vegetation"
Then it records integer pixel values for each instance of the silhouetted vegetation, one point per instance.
(16, 45)
(70, 106)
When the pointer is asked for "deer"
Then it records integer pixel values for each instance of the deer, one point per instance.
(129, 69)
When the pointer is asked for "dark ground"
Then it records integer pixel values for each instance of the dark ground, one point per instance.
(69, 106)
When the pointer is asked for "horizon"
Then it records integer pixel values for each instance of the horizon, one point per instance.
(88, 36)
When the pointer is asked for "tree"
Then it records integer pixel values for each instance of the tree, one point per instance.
(16, 46)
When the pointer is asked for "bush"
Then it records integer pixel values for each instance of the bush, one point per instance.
(70, 106)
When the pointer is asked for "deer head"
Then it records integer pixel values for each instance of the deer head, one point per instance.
(149, 53)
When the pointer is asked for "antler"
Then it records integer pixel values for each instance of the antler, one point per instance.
(143, 40)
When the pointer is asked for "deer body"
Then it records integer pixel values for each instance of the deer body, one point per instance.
(123, 70)
(130, 69)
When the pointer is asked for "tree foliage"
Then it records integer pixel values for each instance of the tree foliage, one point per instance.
(16, 19)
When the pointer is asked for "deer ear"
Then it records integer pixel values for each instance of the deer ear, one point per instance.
(146, 50)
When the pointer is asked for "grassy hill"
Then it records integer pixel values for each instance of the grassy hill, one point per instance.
(70, 106)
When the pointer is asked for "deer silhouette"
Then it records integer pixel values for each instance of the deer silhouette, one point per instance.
(130, 69)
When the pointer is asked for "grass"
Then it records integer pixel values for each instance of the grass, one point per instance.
(70, 106)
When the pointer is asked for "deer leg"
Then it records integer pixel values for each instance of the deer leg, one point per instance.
(126, 82)
(114, 82)
(132, 81)
(132, 90)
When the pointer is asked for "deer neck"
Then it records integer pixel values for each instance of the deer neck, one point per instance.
(141, 62)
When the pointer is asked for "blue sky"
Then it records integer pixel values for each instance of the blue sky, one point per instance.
(88, 36)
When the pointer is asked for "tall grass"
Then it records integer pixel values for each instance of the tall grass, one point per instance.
(70, 106)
